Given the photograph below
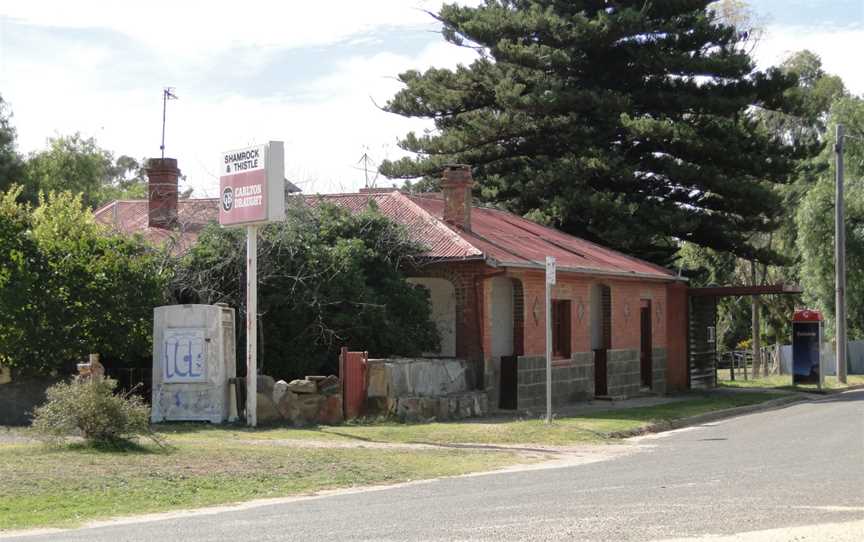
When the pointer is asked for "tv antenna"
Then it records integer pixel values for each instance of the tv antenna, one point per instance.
(167, 94)
(366, 159)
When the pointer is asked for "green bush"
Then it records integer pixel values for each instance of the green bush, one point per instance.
(90, 408)
(69, 287)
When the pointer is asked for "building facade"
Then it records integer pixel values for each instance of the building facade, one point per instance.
(619, 324)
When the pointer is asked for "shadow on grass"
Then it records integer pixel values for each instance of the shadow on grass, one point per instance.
(119, 446)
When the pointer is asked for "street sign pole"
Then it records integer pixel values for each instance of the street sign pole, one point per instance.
(252, 325)
(550, 281)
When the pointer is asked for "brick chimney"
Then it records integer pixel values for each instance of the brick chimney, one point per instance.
(456, 186)
(162, 174)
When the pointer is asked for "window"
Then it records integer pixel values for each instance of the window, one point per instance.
(560, 329)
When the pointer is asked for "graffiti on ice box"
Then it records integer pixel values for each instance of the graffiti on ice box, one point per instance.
(183, 355)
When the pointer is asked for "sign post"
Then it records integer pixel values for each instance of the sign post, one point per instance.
(252, 325)
(252, 186)
(550, 281)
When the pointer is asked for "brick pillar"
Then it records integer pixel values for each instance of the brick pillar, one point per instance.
(162, 174)
(456, 185)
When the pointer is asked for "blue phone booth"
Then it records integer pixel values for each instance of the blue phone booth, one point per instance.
(807, 347)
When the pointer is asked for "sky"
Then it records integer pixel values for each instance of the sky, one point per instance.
(311, 74)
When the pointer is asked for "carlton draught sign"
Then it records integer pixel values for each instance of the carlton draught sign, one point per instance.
(252, 185)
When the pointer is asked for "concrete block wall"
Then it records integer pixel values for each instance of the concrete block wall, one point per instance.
(623, 372)
(572, 380)
(659, 363)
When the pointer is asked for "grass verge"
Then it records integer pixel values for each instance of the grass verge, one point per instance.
(590, 428)
(784, 382)
(66, 485)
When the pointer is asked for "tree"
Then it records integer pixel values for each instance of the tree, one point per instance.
(11, 166)
(629, 123)
(326, 278)
(80, 165)
(815, 220)
(68, 287)
(803, 125)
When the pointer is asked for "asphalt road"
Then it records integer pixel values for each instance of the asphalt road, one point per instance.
(799, 468)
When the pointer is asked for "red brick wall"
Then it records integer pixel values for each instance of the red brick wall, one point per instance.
(626, 298)
(473, 310)
(466, 278)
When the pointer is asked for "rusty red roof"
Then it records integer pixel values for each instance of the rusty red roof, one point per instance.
(499, 237)
(131, 216)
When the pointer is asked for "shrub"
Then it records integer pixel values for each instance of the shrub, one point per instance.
(91, 409)
(69, 287)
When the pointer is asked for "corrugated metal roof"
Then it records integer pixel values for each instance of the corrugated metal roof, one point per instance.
(502, 238)
(512, 240)
(440, 240)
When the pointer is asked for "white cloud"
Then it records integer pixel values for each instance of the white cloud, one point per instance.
(325, 123)
(57, 87)
(840, 49)
(191, 28)
(60, 87)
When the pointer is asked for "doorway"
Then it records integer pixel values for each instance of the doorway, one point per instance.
(646, 345)
(601, 334)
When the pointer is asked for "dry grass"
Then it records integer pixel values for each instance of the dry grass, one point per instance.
(61, 486)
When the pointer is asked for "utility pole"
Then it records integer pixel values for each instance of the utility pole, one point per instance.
(840, 258)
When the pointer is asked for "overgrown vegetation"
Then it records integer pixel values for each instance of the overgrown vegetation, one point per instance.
(327, 278)
(91, 408)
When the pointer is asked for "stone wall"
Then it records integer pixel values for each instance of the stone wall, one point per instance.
(659, 364)
(421, 389)
(572, 380)
(623, 372)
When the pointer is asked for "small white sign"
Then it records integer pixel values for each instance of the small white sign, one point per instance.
(183, 355)
(243, 160)
(550, 270)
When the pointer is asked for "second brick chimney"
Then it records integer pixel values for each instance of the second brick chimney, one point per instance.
(162, 174)
(456, 186)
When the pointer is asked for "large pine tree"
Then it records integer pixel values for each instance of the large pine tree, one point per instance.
(627, 122)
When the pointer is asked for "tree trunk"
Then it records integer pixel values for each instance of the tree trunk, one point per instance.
(757, 339)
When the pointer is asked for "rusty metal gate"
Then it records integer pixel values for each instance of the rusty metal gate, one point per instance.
(352, 371)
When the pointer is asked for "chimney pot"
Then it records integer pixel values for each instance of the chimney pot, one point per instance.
(456, 186)
(162, 175)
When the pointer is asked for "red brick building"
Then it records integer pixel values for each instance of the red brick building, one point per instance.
(619, 323)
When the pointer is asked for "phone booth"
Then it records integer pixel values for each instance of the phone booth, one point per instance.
(807, 347)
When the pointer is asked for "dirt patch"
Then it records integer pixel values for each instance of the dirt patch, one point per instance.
(12, 435)
(563, 455)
